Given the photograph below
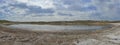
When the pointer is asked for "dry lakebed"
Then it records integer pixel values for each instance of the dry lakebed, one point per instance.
(17, 36)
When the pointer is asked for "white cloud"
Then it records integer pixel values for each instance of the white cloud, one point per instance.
(41, 3)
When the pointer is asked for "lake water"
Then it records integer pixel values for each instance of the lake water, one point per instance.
(35, 27)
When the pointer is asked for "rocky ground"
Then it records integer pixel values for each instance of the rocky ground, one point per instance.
(22, 37)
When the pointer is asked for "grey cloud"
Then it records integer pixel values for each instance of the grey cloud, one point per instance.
(39, 10)
(63, 14)
(32, 9)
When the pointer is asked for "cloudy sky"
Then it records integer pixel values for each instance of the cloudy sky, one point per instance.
(59, 10)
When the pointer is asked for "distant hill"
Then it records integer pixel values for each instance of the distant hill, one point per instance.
(84, 22)
(4, 21)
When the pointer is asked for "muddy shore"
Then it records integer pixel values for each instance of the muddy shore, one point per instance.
(24, 37)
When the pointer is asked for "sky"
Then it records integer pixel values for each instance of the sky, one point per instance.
(59, 10)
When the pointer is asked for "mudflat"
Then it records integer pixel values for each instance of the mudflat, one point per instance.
(23, 37)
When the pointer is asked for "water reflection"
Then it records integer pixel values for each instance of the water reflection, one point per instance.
(54, 27)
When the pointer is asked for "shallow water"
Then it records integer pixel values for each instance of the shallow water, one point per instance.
(35, 27)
